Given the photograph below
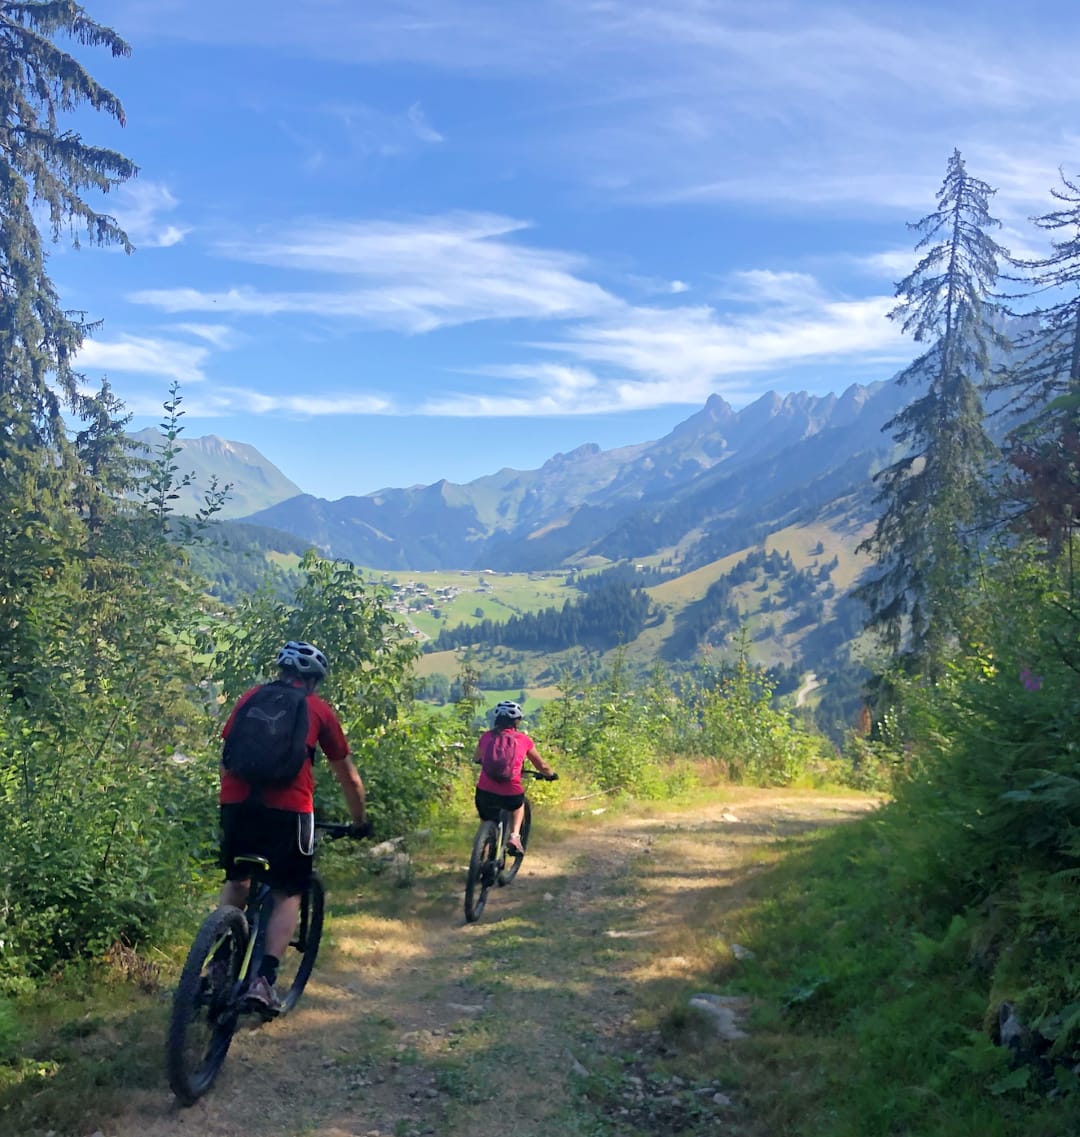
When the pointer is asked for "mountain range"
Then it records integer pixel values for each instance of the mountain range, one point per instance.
(716, 483)
(736, 523)
(256, 482)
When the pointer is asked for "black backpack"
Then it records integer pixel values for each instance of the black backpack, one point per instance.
(267, 742)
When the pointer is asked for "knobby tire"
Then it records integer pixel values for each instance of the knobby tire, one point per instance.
(482, 869)
(205, 1008)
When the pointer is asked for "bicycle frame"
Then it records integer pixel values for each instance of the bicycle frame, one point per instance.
(260, 905)
(206, 1010)
(257, 909)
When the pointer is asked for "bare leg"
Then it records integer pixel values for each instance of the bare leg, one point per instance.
(234, 893)
(517, 816)
(282, 924)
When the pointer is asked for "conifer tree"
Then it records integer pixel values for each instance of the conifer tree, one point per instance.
(934, 495)
(47, 167)
(1045, 382)
(43, 163)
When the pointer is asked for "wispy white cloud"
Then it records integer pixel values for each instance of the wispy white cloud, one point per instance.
(889, 264)
(781, 289)
(682, 355)
(225, 401)
(783, 104)
(416, 276)
(541, 388)
(373, 132)
(431, 273)
(140, 209)
(146, 355)
(306, 405)
(421, 127)
(218, 335)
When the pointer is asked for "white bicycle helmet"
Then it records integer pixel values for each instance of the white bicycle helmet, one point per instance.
(303, 658)
(509, 710)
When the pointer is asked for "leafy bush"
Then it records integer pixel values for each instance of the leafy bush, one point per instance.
(408, 768)
(102, 835)
(612, 730)
(11, 1031)
(740, 728)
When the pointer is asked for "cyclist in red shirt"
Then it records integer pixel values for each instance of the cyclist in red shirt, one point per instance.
(278, 823)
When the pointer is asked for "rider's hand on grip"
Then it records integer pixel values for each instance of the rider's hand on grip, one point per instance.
(360, 829)
(552, 777)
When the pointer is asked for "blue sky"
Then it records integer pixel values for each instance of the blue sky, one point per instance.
(389, 241)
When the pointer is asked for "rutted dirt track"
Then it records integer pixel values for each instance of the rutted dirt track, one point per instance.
(416, 1023)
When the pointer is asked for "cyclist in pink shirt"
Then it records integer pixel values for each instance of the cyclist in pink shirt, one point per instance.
(493, 795)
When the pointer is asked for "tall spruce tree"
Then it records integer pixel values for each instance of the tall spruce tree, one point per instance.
(1044, 382)
(935, 494)
(48, 168)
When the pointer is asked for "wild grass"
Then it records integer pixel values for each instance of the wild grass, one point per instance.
(872, 1011)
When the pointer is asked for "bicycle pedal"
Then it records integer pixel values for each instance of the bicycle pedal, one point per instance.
(259, 1008)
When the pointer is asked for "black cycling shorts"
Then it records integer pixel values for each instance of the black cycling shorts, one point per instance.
(489, 804)
(285, 838)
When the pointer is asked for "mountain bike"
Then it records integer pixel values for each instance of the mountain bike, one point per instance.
(492, 863)
(211, 995)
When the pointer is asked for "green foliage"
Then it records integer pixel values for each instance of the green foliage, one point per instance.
(740, 728)
(613, 729)
(409, 769)
(11, 1031)
(370, 652)
(855, 956)
(1044, 382)
(904, 936)
(105, 778)
(871, 764)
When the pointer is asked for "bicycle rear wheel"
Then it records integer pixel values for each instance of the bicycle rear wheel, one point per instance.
(513, 860)
(482, 870)
(295, 969)
(205, 1007)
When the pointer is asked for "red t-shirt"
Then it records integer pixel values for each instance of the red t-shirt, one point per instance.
(507, 789)
(324, 731)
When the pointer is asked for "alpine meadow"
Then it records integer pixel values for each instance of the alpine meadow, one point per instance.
(807, 666)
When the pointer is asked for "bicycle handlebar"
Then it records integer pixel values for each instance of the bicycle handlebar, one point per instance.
(334, 830)
(540, 777)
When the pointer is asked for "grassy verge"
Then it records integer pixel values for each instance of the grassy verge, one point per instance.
(873, 1009)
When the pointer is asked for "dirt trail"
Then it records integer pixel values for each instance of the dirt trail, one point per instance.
(416, 1023)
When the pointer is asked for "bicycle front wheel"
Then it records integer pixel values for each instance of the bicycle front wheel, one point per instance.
(205, 1006)
(296, 967)
(482, 870)
(513, 860)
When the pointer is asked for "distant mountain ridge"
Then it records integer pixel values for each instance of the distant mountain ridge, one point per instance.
(257, 482)
(702, 487)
